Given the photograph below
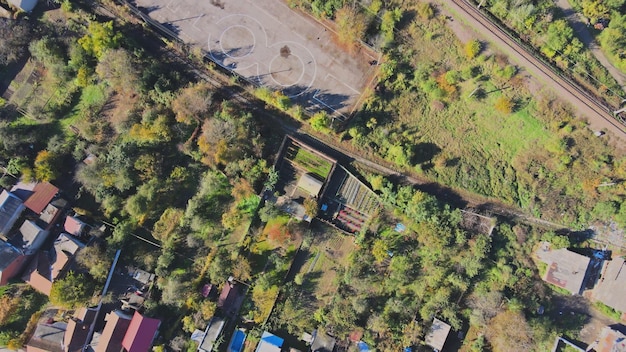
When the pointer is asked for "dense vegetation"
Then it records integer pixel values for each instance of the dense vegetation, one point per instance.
(540, 23)
(170, 159)
(613, 38)
(466, 117)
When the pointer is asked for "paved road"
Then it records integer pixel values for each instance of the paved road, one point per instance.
(598, 116)
(577, 22)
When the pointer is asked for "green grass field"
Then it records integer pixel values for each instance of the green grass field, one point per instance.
(312, 163)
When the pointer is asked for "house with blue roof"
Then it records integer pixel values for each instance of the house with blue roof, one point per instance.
(269, 343)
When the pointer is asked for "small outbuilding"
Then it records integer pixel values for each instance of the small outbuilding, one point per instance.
(24, 5)
(438, 334)
(310, 184)
(566, 269)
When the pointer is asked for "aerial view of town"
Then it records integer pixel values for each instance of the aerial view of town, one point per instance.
(313, 175)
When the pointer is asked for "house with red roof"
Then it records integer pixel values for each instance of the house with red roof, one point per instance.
(47, 266)
(117, 323)
(74, 226)
(77, 331)
(41, 196)
(140, 334)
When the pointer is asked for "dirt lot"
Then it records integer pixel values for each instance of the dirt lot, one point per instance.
(272, 45)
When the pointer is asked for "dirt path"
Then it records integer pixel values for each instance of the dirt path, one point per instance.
(580, 28)
(598, 116)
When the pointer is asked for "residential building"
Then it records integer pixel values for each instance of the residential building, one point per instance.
(77, 331)
(322, 342)
(269, 343)
(611, 340)
(24, 5)
(48, 337)
(74, 226)
(310, 184)
(47, 266)
(566, 269)
(12, 261)
(211, 334)
(438, 334)
(230, 298)
(11, 207)
(51, 213)
(29, 238)
(42, 195)
(117, 324)
(140, 334)
(611, 287)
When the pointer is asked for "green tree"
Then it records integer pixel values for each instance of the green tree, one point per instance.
(168, 224)
(192, 103)
(94, 259)
(472, 48)
(117, 68)
(14, 39)
(320, 122)
(46, 166)
(351, 25)
(595, 10)
(72, 291)
(559, 34)
(380, 249)
(100, 37)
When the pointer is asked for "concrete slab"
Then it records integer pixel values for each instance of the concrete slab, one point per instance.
(272, 45)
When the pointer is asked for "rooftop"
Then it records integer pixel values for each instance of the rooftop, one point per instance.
(212, 333)
(269, 343)
(611, 288)
(566, 269)
(8, 254)
(29, 238)
(10, 209)
(140, 333)
(438, 334)
(77, 329)
(611, 341)
(43, 193)
(49, 214)
(48, 337)
(230, 298)
(310, 184)
(110, 340)
(74, 226)
(322, 343)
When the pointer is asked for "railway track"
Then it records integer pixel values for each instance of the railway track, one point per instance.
(595, 109)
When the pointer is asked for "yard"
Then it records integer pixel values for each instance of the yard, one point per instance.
(310, 162)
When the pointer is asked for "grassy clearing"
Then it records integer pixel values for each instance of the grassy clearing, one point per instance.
(440, 115)
(312, 163)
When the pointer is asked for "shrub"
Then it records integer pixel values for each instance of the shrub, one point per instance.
(472, 48)
(504, 105)
(320, 122)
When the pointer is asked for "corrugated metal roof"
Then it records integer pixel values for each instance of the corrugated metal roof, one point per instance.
(43, 193)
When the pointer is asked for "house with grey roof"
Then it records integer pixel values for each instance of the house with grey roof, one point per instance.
(29, 238)
(611, 287)
(566, 269)
(438, 334)
(11, 207)
(11, 262)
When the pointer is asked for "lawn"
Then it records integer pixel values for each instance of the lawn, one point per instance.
(312, 163)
